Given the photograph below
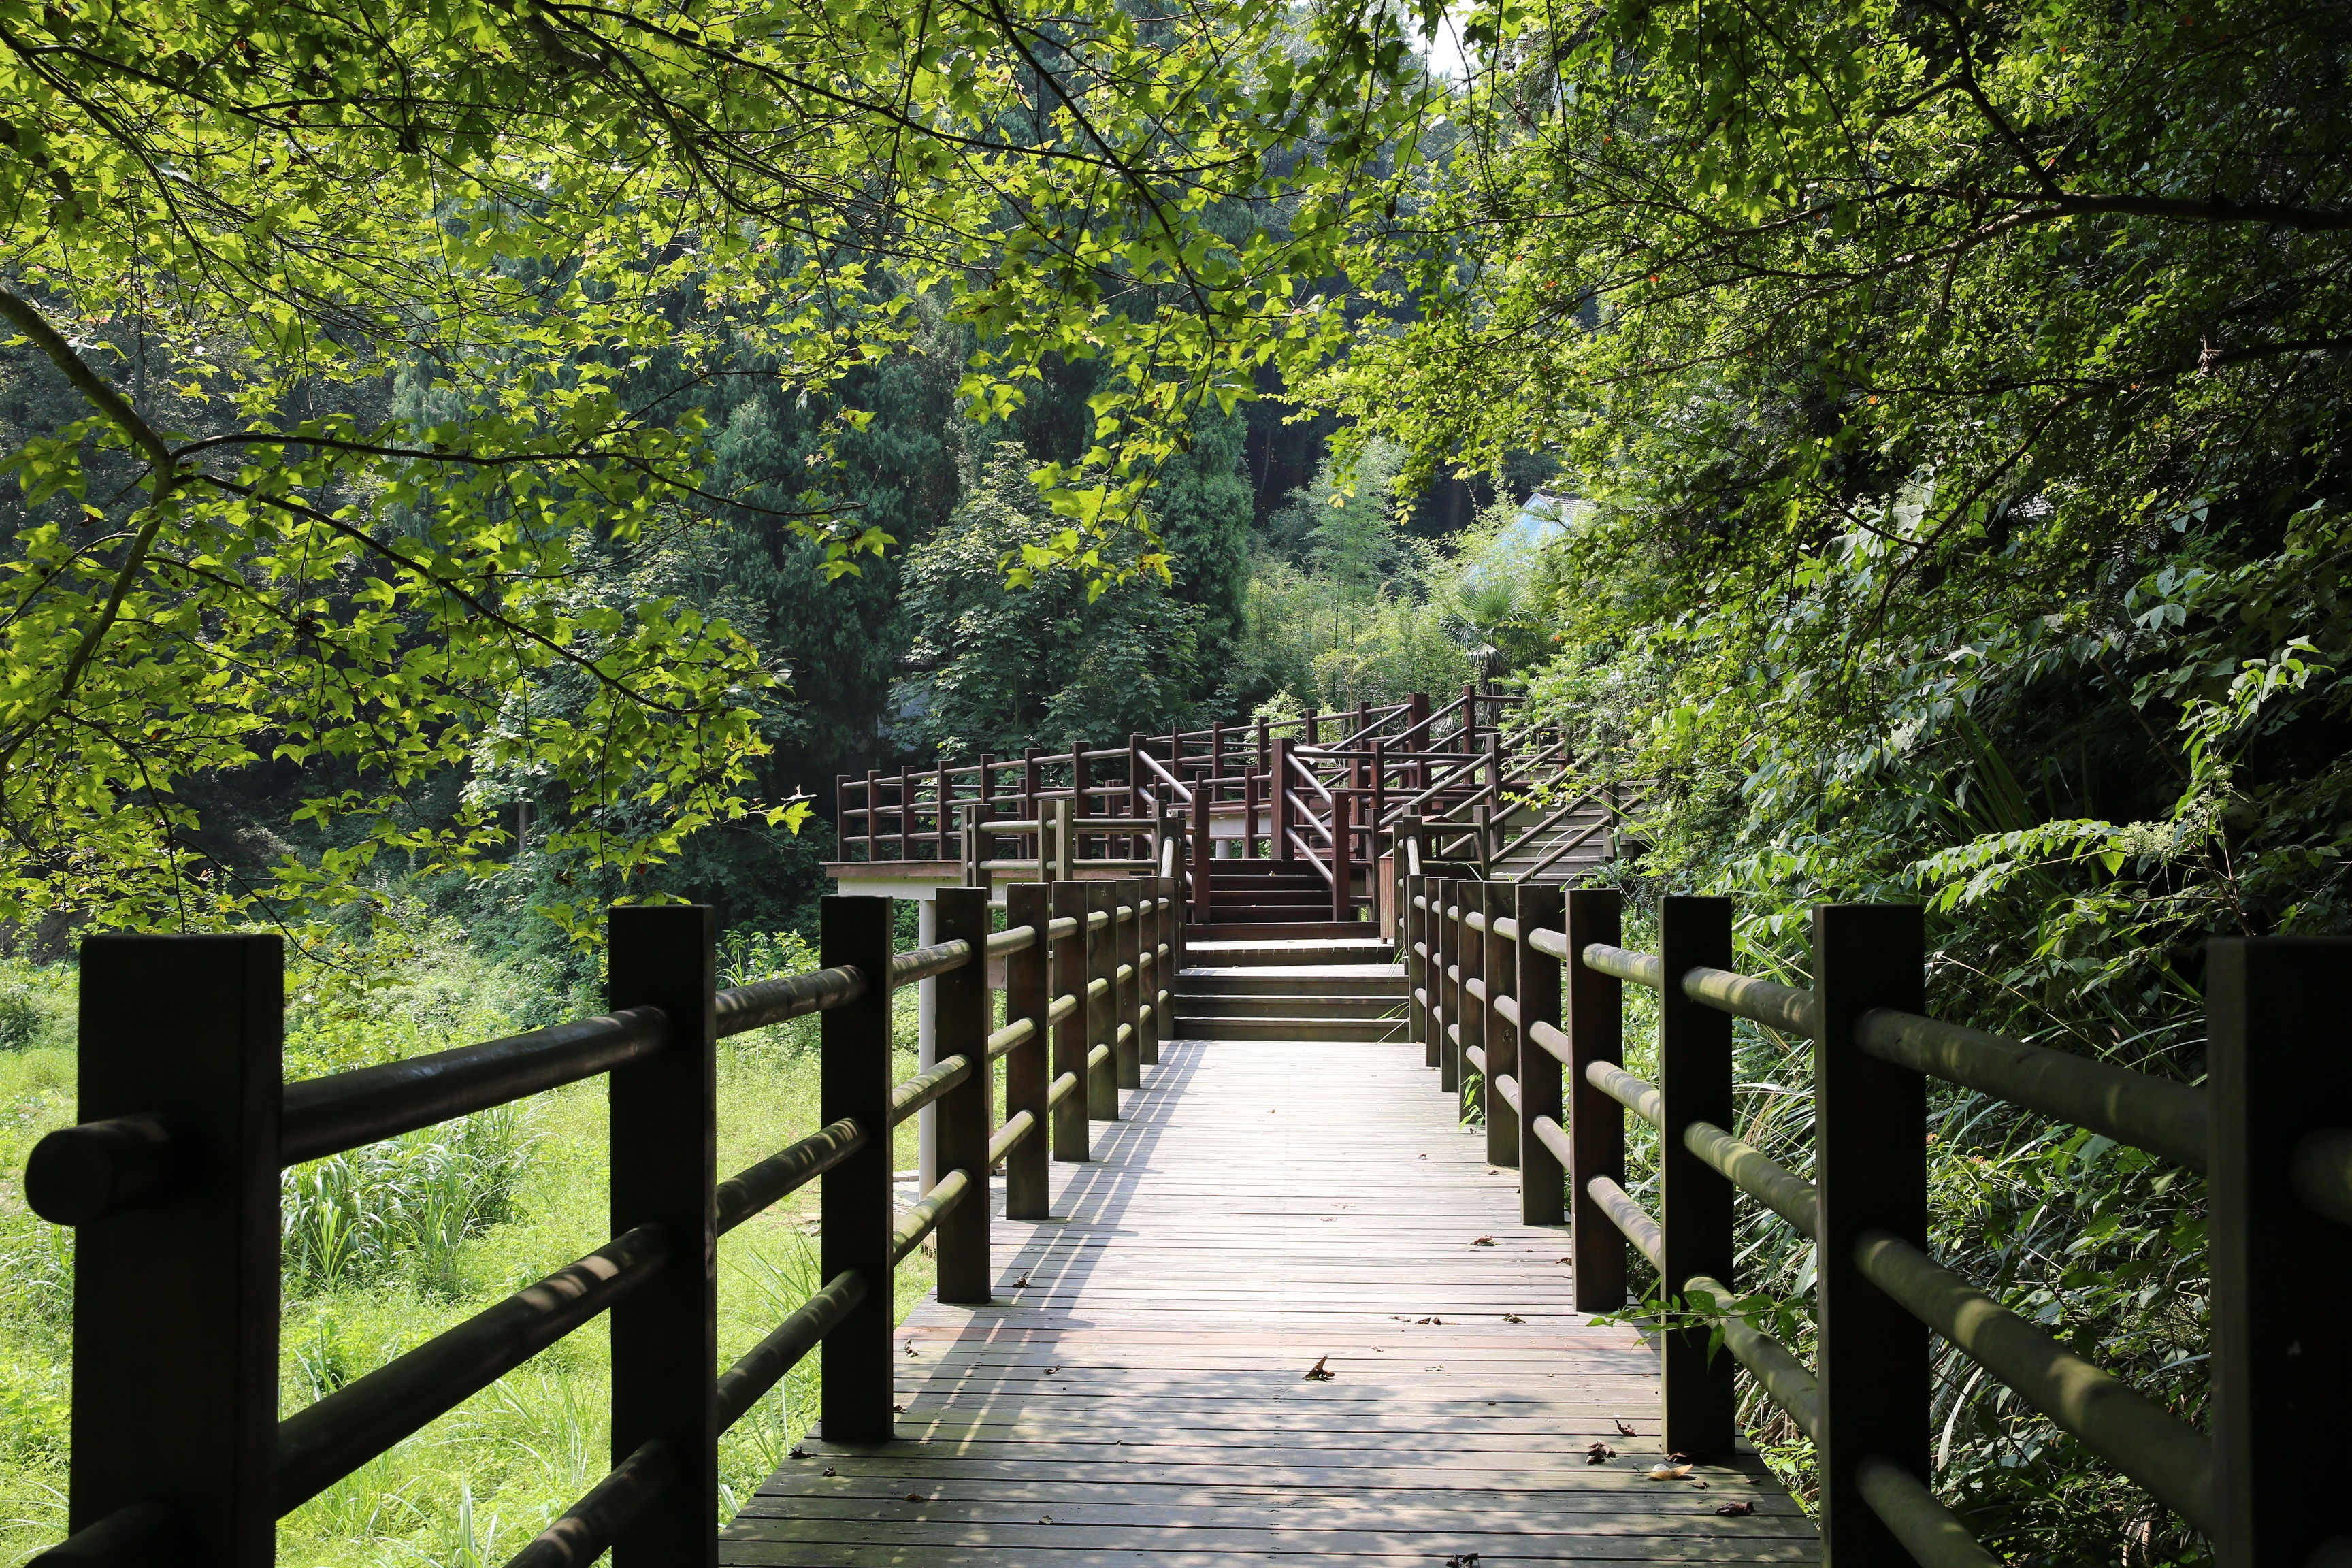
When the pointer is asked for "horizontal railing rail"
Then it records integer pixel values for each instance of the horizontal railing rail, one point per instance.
(1516, 992)
(177, 1452)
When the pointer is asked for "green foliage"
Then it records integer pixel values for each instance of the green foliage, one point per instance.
(1059, 660)
(421, 311)
(407, 1203)
(1956, 397)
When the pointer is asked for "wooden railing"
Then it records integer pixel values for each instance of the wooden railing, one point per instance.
(171, 1181)
(1386, 761)
(1517, 991)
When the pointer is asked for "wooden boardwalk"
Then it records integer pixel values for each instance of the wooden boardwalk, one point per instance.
(1137, 1395)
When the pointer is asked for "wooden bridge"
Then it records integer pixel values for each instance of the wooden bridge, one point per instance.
(1304, 1224)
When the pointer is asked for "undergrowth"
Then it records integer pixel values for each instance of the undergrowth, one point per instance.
(386, 1246)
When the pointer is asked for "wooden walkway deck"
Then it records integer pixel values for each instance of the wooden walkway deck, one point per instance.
(1137, 1395)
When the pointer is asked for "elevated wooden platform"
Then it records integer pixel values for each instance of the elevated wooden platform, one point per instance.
(1139, 1394)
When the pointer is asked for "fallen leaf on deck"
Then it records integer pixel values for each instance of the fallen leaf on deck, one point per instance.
(1599, 1454)
(1020, 1283)
(1678, 1459)
(1737, 1507)
(1483, 1241)
(1318, 1373)
(830, 1471)
(799, 1453)
(1512, 1318)
(914, 1497)
(1625, 1427)
(1668, 1472)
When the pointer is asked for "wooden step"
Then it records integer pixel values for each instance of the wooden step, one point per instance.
(1247, 947)
(1281, 928)
(1262, 895)
(1274, 914)
(1223, 1028)
(1282, 1005)
(1270, 979)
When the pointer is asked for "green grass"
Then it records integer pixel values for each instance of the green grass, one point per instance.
(387, 1247)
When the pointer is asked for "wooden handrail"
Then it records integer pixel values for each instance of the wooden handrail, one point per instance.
(157, 1010)
(1868, 963)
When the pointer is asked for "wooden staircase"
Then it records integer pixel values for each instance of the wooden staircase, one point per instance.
(1327, 988)
(1274, 901)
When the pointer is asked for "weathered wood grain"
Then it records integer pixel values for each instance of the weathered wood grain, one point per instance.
(1136, 1393)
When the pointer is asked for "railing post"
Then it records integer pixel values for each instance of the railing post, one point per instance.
(1417, 981)
(1127, 953)
(1160, 941)
(1031, 806)
(1027, 991)
(175, 1299)
(1500, 966)
(906, 814)
(966, 1112)
(1101, 1012)
(1536, 987)
(1057, 843)
(1870, 1168)
(1694, 1201)
(1204, 849)
(2280, 1065)
(1470, 1013)
(1343, 870)
(1449, 1034)
(854, 1206)
(1278, 787)
(1071, 966)
(662, 1117)
(1596, 1123)
(1135, 744)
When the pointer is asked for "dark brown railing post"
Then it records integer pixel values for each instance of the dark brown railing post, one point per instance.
(663, 1128)
(175, 1298)
(1537, 990)
(1445, 1035)
(1596, 1123)
(1071, 966)
(1694, 1201)
(1160, 941)
(2280, 1068)
(1126, 1009)
(1032, 808)
(1277, 780)
(1870, 1168)
(967, 1112)
(1343, 869)
(1101, 1012)
(1419, 987)
(1204, 848)
(1498, 965)
(855, 1206)
(1027, 991)
(1469, 1032)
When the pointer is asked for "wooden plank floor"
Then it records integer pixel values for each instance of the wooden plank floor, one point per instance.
(1136, 1394)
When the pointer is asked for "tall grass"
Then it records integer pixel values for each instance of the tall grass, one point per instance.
(388, 1245)
(407, 1203)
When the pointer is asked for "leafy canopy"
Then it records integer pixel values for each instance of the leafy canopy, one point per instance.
(414, 303)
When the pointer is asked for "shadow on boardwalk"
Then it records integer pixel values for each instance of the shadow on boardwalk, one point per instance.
(1136, 1394)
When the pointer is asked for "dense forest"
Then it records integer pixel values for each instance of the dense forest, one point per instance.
(472, 462)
